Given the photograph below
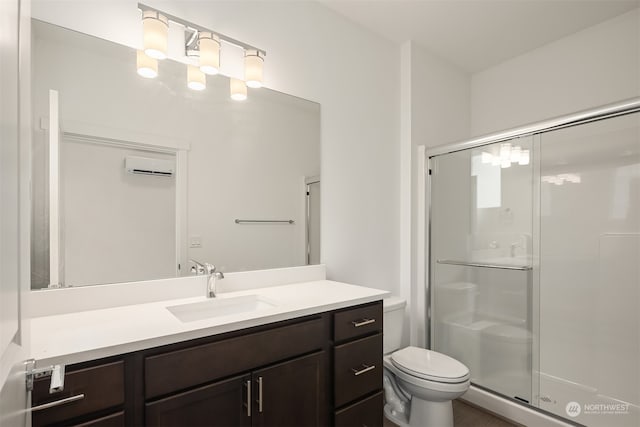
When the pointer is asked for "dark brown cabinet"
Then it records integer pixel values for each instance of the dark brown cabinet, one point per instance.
(286, 394)
(219, 404)
(365, 412)
(357, 366)
(311, 371)
(92, 395)
(290, 393)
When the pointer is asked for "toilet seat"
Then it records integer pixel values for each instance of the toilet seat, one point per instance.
(429, 365)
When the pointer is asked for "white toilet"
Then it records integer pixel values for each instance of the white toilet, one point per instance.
(419, 384)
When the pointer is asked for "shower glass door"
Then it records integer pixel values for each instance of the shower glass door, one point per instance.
(589, 292)
(480, 263)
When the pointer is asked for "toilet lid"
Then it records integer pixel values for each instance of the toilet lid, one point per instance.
(429, 365)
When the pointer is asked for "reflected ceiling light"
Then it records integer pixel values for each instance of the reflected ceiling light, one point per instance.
(147, 66)
(155, 34)
(508, 154)
(505, 151)
(209, 52)
(253, 63)
(515, 153)
(238, 89)
(196, 80)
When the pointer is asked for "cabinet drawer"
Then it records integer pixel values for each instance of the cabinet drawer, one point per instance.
(367, 412)
(181, 369)
(358, 369)
(102, 387)
(113, 420)
(357, 322)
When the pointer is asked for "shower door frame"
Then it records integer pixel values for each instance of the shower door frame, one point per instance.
(624, 107)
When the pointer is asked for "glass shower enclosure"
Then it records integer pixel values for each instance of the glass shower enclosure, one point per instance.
(534, 265)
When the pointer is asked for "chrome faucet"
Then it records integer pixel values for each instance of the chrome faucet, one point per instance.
(199, 268)
(524, 243)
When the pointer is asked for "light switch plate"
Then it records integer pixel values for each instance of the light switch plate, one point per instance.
(195, 242)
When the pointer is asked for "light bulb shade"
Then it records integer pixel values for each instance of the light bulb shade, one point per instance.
(238, 89)
(486, 157)
(147, 67)
(196, 80)
(524, 157)
(209, 52)
(253, 63)
(515, 153)
(505, 151)
(155, 33)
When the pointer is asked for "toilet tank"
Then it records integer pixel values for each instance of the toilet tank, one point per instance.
(393, 320)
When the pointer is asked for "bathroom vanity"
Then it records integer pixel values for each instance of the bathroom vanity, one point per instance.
(314, 359)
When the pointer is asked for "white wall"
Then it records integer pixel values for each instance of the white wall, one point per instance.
(316, 54)
(435, 108)
(596, 66)
(440, 100)
(118, 227)
(15, 62)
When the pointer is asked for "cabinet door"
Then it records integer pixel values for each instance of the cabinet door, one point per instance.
(291, 393)
(220, 404)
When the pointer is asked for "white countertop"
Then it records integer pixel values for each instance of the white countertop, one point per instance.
(87, 335)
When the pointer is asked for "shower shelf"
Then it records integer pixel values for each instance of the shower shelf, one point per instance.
(481, 265)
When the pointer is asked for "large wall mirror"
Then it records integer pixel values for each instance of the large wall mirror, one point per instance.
(132, 177)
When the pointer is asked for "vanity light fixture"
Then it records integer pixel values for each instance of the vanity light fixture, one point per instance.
(147, 66)
(155, 33)
(238, 89)
(516, 152)
(196, 80)
(209, 45)
(505, 152)
(253, 64)
(202, 47)
(524, 158)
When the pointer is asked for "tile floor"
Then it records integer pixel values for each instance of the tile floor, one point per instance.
(465, 415)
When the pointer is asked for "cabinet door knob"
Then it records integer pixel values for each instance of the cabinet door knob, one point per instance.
(362, 322)
(365, 368)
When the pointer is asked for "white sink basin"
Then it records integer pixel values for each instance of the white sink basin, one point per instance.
(217, 307)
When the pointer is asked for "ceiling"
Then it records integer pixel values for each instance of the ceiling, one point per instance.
(477, 34)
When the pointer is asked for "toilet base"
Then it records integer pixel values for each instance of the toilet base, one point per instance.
(398, 419)
(426, 413)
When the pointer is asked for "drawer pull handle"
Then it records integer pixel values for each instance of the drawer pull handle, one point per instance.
(362, 322)
(259, 394)
(248, 384)
(58, 403)
(365, 368)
